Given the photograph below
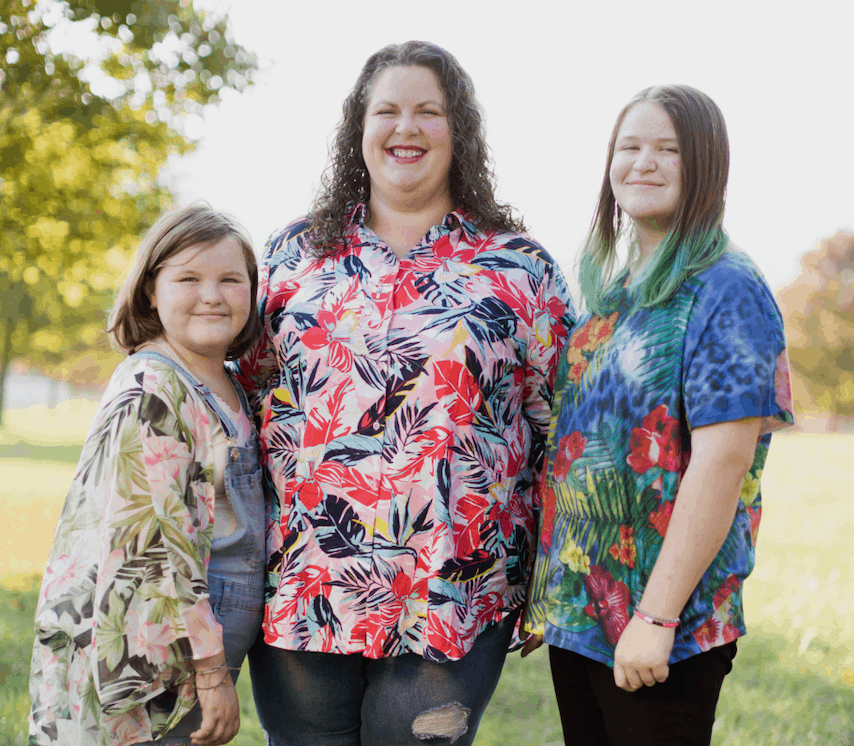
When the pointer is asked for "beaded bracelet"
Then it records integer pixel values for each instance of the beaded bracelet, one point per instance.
(656, 620)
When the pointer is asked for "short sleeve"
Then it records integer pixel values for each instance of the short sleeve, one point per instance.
(735, 363)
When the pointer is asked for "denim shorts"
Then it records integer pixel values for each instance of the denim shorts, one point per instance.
(240, 611)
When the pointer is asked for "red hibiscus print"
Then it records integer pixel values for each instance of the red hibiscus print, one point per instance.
(339, 335)
(625, 550)
(659, 519)
(569, 448)
(308, 487)
(707, 633)
(609, 602)
(656, 443)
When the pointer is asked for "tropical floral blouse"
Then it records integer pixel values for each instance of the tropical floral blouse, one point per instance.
(632, 384)
(404, 411)
(124, 602)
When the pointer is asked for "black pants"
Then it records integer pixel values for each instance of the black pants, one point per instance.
(594, 711)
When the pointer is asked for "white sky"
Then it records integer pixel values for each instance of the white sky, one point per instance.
(551, 77)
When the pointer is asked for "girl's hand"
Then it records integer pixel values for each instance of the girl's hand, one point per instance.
(642, 654)
(220, 708)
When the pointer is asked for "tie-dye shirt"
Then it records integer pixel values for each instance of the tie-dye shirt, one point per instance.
(404, 406)
(631, 385)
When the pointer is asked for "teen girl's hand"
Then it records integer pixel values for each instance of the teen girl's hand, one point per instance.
(220, 708)
(642, 654)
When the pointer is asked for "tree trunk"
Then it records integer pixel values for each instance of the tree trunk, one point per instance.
(5, 360)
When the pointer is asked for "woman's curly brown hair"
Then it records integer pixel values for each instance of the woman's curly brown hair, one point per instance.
(346, 182)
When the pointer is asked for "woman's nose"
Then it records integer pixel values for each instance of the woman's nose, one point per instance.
(407, 124)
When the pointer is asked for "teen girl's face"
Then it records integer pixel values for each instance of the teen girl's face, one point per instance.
(646, 169)
(203, 298)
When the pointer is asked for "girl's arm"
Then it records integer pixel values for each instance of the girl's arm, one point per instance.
(705, 506)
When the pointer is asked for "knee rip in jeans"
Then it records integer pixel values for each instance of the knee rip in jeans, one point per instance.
(446, 721)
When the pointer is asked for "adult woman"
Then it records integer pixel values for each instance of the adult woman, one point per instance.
(154, 586)
(670, 387)
(405, 380)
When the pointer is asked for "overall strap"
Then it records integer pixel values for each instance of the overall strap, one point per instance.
(228, 426)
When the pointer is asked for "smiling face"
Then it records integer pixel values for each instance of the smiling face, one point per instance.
(203, 298)
(645, 172)
(407, 142)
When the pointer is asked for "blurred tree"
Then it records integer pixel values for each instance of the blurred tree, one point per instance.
(83, 136)
(819, 312)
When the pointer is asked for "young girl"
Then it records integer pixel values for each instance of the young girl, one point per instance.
(667, 396)
(154, 587)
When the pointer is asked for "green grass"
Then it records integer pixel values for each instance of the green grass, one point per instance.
(793, 680)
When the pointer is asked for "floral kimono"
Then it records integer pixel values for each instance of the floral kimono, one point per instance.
(124, 604)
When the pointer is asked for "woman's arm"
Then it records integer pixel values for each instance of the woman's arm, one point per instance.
(705, 506)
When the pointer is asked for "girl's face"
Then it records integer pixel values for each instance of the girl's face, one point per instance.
(407, 142)
(203, 298)
(646, 169)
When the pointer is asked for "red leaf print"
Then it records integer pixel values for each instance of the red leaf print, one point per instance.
(443, 637)
(569, 448)
(470, 512)
(609, 602)
(454, 379)
(325, 420)
(306, 586)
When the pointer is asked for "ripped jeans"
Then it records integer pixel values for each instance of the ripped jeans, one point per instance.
(324, 699)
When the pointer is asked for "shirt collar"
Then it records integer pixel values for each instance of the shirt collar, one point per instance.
(453, 220)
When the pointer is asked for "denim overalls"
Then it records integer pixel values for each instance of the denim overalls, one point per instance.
(238, 562)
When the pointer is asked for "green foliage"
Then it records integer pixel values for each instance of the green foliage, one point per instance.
(819, 310)
(80, 160)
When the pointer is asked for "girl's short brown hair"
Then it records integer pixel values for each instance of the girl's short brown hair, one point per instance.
(133, 320)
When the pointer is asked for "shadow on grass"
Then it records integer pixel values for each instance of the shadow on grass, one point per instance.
(772, 698)
(58, 454)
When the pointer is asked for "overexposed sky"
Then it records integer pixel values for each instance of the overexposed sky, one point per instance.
(551, 77)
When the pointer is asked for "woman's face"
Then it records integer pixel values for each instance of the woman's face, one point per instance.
(645, 173)
(407, 143)
(203, 297)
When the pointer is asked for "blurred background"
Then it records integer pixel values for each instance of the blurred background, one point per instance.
(113, 110)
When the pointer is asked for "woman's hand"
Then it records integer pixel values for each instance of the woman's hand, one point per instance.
(220, 708)
(642, 654)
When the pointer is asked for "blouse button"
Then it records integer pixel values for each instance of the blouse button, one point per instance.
(235, 454)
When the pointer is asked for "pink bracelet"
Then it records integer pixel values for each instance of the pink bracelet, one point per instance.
(656, 620)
